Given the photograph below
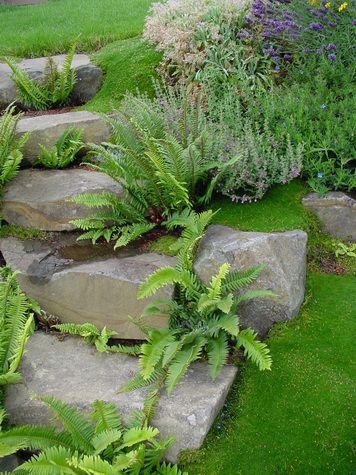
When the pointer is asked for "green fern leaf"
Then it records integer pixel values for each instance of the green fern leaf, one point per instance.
(255, 350)
(105, 439)
(181, 363)
(152, 351)
(106, 417)
(218, 352)
(137, 435)
(80, 429)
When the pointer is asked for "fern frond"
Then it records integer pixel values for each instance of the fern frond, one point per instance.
(181, 363)
(137, 435)
(35, 438)
(132, 232)
(239, 279)
(152, 351)
(255, 350)
(91, 465)
(72, 420)
(160, 278)
(218, 352)
(52, 461)
(104, 439)
(105, 416)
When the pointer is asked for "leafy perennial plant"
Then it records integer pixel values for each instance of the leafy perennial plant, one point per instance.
(203, 317)
(162, 155)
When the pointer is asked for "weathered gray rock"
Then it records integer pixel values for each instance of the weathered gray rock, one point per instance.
(39, 198)
(76, 373)
(336, 211)
(101, 289)
(285, 256)
(46, 129)
(89, 77)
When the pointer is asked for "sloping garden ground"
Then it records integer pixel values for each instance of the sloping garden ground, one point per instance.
(249, 109)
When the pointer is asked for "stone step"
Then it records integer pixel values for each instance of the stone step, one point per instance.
(89, 77)
(46, 130)
(74, 372)
(285, 256)
(336, 211)
(79, 282)
(39, 198)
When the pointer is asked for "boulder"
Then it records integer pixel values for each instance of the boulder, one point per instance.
(78, 287)
(39, 198)
(336, 211)
(46, 130)
(285, 257)
(89, 77)
(74, 372)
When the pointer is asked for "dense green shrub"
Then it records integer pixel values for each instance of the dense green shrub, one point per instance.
(64, 151)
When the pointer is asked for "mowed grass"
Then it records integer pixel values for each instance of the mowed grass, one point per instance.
(129, 66)
(296, 419)
(50, 28)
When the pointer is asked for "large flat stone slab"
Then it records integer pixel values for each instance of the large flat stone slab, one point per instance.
(89, 77)
(100, 289)
(46, 130)
(285, 257)
(76, 373)
(39, 198)
(336, 211)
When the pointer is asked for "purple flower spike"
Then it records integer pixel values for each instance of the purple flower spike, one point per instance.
(316, 26)
(332, 56)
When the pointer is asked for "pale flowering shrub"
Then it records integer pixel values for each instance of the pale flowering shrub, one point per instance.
(189, 32)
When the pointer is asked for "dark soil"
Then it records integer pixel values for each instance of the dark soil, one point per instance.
(61, 110)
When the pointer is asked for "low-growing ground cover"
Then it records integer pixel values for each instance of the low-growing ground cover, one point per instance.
(50, 28)
(295, 419)
(129, 66)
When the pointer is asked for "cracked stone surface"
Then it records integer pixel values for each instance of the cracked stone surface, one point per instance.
(285, 257)
(336, 211)
(39, 199)
(89, 77)
(96, 288)
(74, 372)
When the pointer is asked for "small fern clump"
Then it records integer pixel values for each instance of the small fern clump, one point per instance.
(99, 445)
(16, 325)
(163, 156)
(203, 317)
(10, 146)
(64, 151)
(55, 89)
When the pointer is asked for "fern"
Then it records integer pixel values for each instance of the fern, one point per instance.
(16, 325)
(203, 319)
(63, 152)
(55, 89)
(257, 351)
(10, 146)
(99, 446)
(162, 171)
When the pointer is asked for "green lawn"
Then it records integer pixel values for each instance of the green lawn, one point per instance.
(49, 28)
(279, 210)
(297, 418)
